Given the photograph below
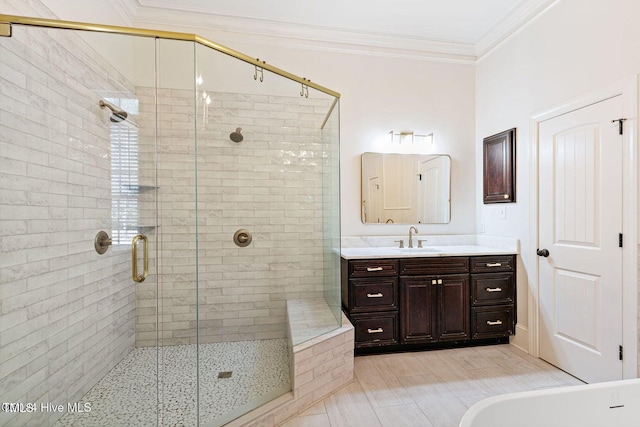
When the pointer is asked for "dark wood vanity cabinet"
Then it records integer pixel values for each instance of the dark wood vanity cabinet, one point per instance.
(370, 299)
(434, 304)
(429, 300)
(493, 296)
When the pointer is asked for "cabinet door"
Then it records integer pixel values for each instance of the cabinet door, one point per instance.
(418, 309)
(453, 307)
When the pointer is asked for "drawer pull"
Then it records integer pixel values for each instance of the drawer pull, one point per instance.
(493, 289)
(375, 331)
(494, 264)
(374, 268)
(497, 322)
(378, 295)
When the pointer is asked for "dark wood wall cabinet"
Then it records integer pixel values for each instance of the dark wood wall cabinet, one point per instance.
(499, 167)
(411, 303)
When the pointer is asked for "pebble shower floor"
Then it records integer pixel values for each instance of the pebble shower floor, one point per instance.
(126, 396)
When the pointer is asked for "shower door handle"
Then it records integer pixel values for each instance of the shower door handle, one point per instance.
(134, 258)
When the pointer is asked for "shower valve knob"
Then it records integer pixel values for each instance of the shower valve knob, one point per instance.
(102, 242)
(242, 238)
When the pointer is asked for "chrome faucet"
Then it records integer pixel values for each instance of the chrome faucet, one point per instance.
(411, 236)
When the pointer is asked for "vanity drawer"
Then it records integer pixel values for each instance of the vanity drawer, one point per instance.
(497, 288)
(374, 294)
(380, 329)
(373, 267)
(492, 322)
(433, 266)
(491, 263)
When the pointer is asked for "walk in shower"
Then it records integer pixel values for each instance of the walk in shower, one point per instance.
(169, 226)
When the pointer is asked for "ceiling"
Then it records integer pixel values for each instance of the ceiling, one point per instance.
(450, 29)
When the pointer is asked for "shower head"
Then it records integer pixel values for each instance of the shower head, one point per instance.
(117, 115)
(237, 135)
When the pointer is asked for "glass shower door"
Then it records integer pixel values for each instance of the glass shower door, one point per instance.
(177, 232)
(72, 198)
(263, 175)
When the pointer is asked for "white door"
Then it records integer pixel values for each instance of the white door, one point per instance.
(433, 202)
(373, 212)
(580, 218)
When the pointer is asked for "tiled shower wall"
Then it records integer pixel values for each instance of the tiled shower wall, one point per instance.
(271, 183)
(67, 314)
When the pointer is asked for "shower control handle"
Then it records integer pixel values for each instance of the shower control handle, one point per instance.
(242, 237)
(102, 242)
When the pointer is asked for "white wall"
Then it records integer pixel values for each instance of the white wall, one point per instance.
(576, 47)
(379, 94)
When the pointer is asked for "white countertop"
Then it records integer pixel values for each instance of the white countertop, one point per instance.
(366, 247)
(427, 251)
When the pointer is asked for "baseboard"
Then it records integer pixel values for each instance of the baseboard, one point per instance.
(521, 338)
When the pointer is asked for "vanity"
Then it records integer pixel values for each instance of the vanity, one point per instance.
(431, 297)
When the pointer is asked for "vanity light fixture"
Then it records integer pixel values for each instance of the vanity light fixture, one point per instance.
(410, 137)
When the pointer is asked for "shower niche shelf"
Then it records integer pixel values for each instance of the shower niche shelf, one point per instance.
(142, 188)
(146, 227)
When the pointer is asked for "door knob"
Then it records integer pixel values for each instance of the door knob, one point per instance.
(542, 252)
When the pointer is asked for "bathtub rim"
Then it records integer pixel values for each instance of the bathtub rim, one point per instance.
(479, 406)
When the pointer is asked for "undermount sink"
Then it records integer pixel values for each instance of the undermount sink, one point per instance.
(418, 250)
(406, 251)
(422, 249)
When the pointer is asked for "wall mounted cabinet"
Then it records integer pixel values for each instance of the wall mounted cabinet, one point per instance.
(499, 167)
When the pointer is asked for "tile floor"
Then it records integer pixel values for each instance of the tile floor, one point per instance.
(430, 388)
(128, 395)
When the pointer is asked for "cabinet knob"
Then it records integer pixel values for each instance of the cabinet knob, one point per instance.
(375, 331)
(374, 268)
(497, 322)
(494, 264)
(493, 289)
(378, 295)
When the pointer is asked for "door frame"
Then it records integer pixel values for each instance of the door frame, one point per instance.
(628, 89)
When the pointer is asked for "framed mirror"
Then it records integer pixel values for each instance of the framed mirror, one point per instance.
(406, 188)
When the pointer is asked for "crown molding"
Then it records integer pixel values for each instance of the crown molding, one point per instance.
(127, 9)
(284, 34)
(265, 31)
(511, 24)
